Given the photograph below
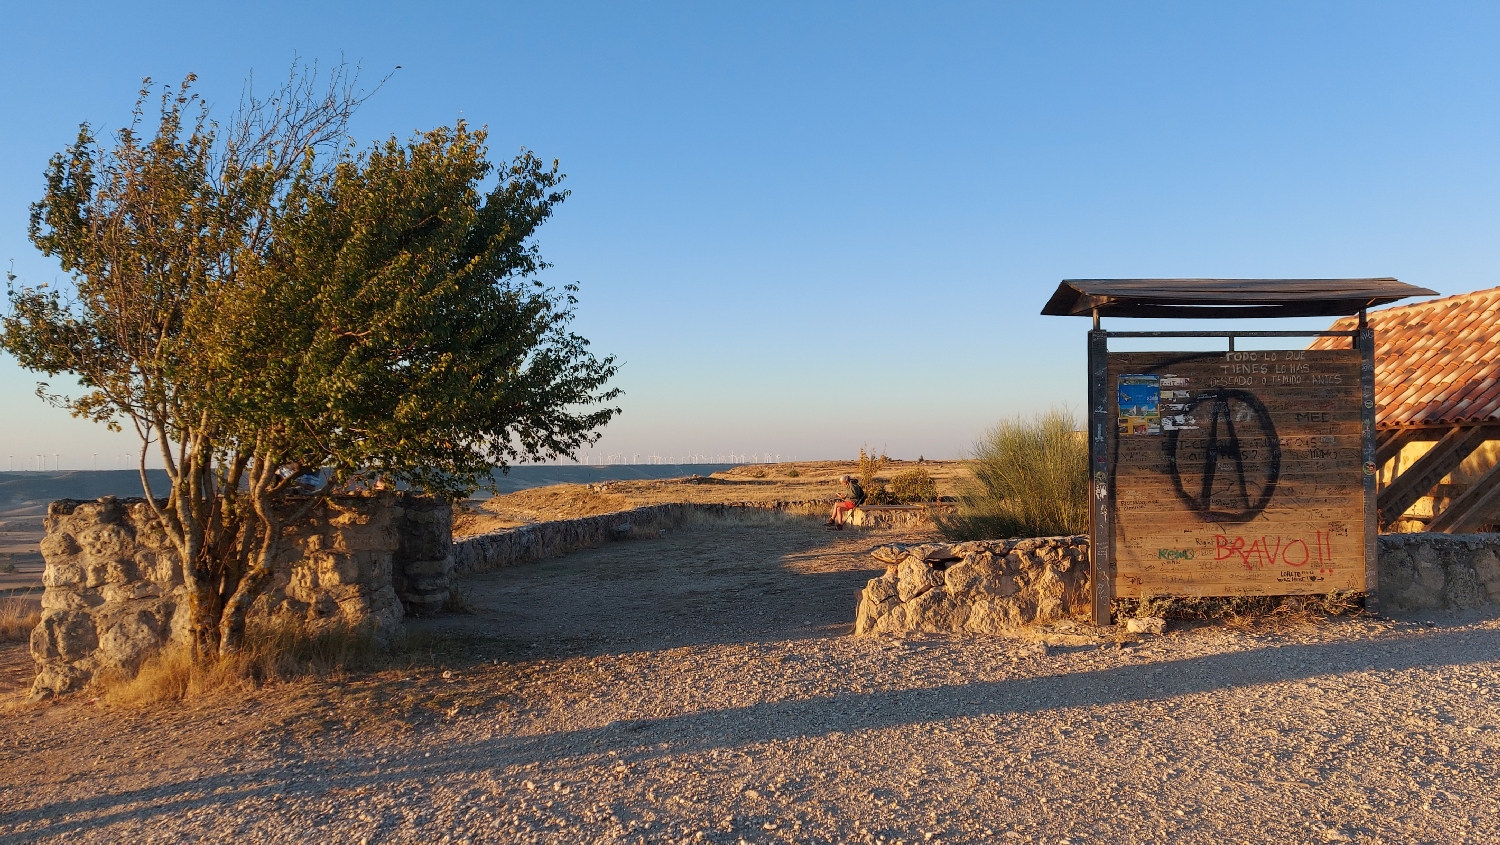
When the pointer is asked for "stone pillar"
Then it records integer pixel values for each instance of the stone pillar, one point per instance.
(113, 592)
(423, 572)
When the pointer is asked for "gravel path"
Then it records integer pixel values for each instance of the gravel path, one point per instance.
(703, 688)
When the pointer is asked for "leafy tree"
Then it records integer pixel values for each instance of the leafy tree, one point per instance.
(265, 302)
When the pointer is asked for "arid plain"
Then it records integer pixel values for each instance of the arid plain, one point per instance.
(704, 686)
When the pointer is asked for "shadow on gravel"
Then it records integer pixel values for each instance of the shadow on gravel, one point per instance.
(807, 718)
(728, 583)
(1120, 685)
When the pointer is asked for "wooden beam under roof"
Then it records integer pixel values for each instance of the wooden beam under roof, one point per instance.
(1472, 508)
(1424, 473)
(1388, 444)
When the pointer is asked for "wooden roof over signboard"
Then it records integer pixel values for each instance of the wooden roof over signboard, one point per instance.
(1225, 298)
(1437, 363)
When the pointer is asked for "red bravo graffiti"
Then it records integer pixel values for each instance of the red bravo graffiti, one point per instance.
(1274, 550)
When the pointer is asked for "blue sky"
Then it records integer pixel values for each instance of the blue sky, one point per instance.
(807, 227)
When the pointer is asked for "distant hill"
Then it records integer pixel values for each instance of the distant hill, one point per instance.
(21, 489)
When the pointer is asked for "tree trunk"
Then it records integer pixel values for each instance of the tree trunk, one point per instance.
(203, 605)
(231, 630)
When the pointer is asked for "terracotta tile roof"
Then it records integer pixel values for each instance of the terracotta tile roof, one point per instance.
(1436, 362)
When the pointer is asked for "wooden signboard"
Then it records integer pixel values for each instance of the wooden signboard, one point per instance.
(1235, 473)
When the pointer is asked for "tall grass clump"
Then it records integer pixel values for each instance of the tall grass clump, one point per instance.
(1030, 480)
(18, 615)
(273, 652)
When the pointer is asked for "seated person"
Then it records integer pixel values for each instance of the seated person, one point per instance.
(854, 496)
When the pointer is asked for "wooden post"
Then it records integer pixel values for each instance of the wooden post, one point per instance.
(1101, 525)
(1365, 341)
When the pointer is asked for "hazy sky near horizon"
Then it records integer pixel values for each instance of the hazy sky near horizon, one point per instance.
(807, 227)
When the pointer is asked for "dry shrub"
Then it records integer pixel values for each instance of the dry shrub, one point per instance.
(913, 486)
(274, 652)
(465, 521)
(458, 602)
(1243, 610)
(18, 615)
(1030, 480)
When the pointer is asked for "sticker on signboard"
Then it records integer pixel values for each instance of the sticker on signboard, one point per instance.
(1140, 404)
(1176, 404)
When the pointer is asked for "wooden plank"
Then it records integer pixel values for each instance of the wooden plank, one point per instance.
(1428, 470)
(1251, 482)
(1101, 527)
(1472, 508)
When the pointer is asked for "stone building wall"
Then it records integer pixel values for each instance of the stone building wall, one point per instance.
(1438, 571)
(114, 593)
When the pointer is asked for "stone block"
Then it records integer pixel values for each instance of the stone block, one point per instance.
(131, 636)
(59, 679)
(429, 568)
(130, 591)
(429, 584)
(1487, 570)
(425, 604)
(871, 610)
(63, 575)
(343, 568)
(64, 636)
(915, 577)
(882, 588)
(60, 545)
(1461, 589)
(981, 576)
(1147, 625)
(936, 612)
(992, 617)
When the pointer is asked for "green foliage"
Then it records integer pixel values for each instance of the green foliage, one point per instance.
(792, 473)
(1030, 480)
(263, 302)
(912, 486)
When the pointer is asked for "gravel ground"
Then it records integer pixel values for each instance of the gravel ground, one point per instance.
(703, 687)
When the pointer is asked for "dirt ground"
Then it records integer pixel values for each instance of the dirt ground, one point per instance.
(785, 482)
(703, 687)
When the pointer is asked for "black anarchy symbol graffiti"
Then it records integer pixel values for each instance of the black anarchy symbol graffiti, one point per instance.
(1235, 459)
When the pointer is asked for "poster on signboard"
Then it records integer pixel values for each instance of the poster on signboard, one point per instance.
(1252, 481)
(1140, 404)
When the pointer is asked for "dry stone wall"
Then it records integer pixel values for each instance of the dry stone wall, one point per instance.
(514, 546)
(898, 516)
(979, 587)
(996, 586)
(114, 592)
